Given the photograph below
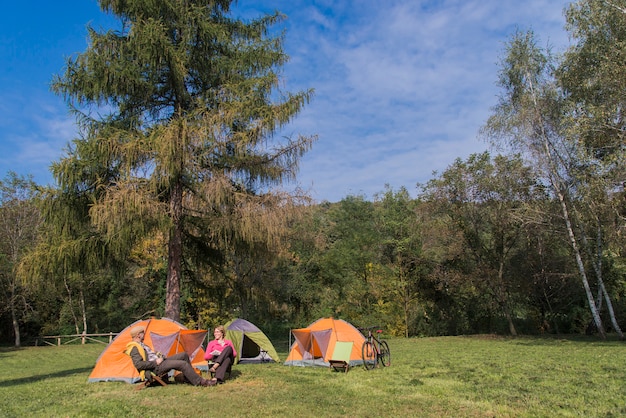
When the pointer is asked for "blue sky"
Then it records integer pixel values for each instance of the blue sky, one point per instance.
(401, 86)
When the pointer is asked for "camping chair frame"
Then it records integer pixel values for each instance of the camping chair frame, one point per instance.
(212, 373)
(152, 379)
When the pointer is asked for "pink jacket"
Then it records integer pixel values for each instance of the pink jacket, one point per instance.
(214, 345)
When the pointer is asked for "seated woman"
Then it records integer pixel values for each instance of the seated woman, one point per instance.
(222, 353)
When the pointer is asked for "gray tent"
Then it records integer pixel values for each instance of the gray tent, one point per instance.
(251, 343)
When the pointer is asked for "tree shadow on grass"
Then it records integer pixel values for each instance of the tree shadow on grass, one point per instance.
(46, 376)
(9, 349)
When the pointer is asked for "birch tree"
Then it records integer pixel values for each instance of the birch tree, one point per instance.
(593, 74)
(534, 116)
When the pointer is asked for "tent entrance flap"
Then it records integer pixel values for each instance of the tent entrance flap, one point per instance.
(320, 340)
(312, 344)
(302, 341)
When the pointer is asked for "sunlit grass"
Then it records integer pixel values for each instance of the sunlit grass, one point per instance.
(480, 376)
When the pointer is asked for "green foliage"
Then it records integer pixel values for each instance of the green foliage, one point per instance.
(166, 201)
(20, 221)
(561, 114)
(187, 146)
(490, 203)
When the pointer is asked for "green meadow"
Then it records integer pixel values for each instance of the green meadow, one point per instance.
(477, 376)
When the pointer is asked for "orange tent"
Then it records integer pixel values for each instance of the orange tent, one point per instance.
(164, 335)
(315, 344)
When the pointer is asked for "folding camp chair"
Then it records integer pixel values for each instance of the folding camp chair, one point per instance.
(149, 378)
(340, 359)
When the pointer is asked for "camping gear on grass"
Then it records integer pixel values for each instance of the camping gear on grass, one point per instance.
(340, 360)
(251, 343)
(315, 344)
(163, 335)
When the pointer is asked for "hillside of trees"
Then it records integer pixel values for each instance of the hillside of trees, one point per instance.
(166, 205)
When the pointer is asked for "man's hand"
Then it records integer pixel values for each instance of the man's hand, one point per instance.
(159, 360)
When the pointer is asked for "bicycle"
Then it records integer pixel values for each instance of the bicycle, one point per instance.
(375, 350)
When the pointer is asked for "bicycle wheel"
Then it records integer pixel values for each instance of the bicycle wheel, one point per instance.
(368, 353)
(385, 355)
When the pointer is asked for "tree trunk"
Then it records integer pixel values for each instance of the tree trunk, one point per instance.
(175, 255)
(407, 307)
(406, 301)
(509, 319)
(504, 305)
(609, 304)
(504, 299)
(16, 325)
(579, 263)
(556, 185)
(597, 265)
(83, 311)
(71, 304)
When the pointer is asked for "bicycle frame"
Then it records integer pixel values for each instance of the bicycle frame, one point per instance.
(375, 350)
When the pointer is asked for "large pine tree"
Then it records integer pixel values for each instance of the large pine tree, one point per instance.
(180, 107)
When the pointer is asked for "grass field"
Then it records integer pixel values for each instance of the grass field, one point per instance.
(479, 376)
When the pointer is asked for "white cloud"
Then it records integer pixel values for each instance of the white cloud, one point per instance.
(402, 87)
(35, 132)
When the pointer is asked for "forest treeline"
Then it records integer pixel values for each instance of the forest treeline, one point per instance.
(483, 249)
(166, 206)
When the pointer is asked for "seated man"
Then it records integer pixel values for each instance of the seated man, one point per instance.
(144, 358)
